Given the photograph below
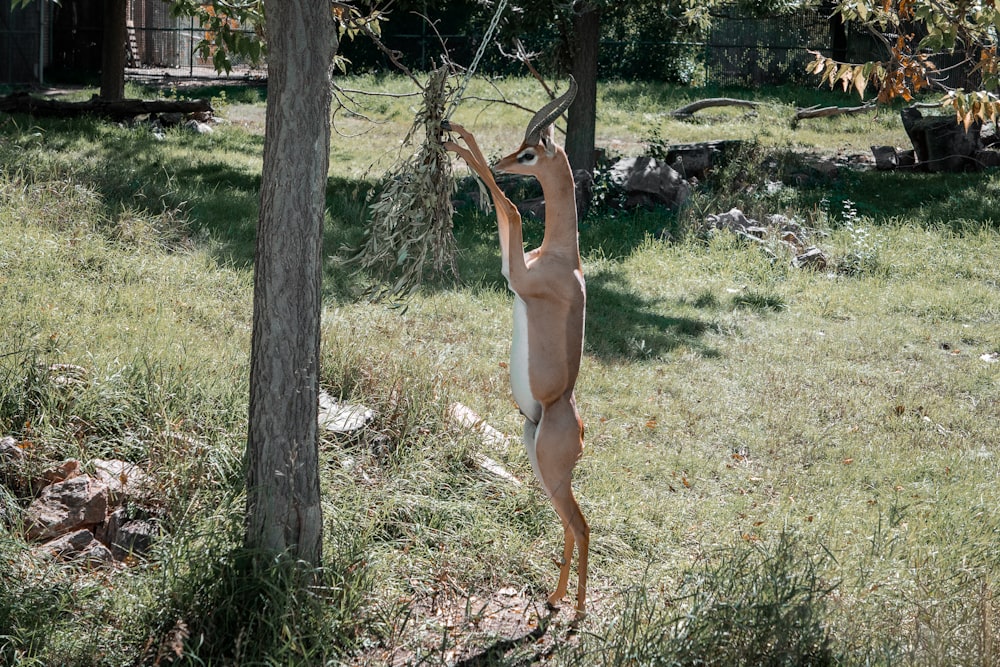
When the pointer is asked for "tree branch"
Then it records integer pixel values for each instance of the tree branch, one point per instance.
(823, 112)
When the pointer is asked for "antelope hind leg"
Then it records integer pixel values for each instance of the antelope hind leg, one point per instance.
(558, 446)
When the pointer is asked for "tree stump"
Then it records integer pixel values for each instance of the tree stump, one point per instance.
(941, 143)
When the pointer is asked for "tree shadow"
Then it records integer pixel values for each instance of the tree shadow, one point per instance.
(952, 201)
(496, 653)
(624, 324)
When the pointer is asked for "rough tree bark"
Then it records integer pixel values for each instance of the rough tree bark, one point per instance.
(582, 119)
(113, 50)
(283, 500)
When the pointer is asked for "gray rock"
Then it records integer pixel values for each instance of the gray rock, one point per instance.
(133, 538)
(649, 182)
(734, 220)
(78, 502)
(988, 157)
(886, 157)
(76, 546)
(812, 258)
(123, 479)
(9, 451)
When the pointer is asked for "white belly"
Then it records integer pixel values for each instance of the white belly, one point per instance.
(519, 382)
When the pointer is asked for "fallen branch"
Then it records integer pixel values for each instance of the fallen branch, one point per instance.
(823, 112)
(117, 109)
(688, 110)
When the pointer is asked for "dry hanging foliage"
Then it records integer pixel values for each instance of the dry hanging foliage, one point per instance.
(410, 232)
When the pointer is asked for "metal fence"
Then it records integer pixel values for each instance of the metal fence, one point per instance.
(23, 49)
(738, 51)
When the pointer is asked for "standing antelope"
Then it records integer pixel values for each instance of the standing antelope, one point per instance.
(549, 303)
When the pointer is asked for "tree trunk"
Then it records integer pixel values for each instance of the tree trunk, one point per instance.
(283, 502)
(113, 50)
(582, 120)
(838, 32)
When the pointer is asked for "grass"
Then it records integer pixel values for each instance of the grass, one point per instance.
(783, 466)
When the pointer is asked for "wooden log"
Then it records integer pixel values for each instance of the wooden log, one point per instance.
(115, 109)
(689, 109)
(825, 112)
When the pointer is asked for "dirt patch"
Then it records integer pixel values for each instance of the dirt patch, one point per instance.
(509, 626)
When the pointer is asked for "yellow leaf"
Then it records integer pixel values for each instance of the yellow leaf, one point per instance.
(860, 81)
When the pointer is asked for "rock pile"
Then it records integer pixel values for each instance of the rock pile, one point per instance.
(777, 232)
(80, 512)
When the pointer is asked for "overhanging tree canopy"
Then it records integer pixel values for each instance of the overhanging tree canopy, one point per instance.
(927, 42)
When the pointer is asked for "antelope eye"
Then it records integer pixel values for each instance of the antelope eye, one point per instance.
(527, 156)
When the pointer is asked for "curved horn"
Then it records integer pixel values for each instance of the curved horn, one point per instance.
(548, 114)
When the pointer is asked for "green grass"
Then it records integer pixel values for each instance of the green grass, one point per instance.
(783, 466)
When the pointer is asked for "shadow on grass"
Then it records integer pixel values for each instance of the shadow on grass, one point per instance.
(623, 324)
(931, 200)
(495, 653)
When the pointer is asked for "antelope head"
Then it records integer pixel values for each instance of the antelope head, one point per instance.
(539, 150)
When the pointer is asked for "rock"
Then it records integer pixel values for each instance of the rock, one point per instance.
(9, 451)
(584, 183)
(734, 220)
(133, 538)
(57, 473)
(812, 258)
(78, 545)
(199, 128)
(648, 182)
(988, 157)
(122, 479)
(107, 532)
(886, 158)
(534, 208)
(338, 417)
(784, 223)
(171, 118)
(78, 502)
(696, 160)
(823, 167)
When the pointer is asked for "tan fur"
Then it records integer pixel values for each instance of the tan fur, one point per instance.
(549, 281)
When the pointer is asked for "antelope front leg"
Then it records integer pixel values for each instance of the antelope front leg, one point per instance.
(506, 212)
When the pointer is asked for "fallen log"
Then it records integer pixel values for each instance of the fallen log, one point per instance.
(824, 112)
(115, 109)
(689, 109)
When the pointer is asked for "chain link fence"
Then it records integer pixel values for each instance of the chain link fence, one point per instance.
(64, 40)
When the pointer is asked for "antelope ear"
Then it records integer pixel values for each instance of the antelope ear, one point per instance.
(548, 141)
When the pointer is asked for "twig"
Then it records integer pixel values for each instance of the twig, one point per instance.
(393, 56)
(493, 100)
(522, 56)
